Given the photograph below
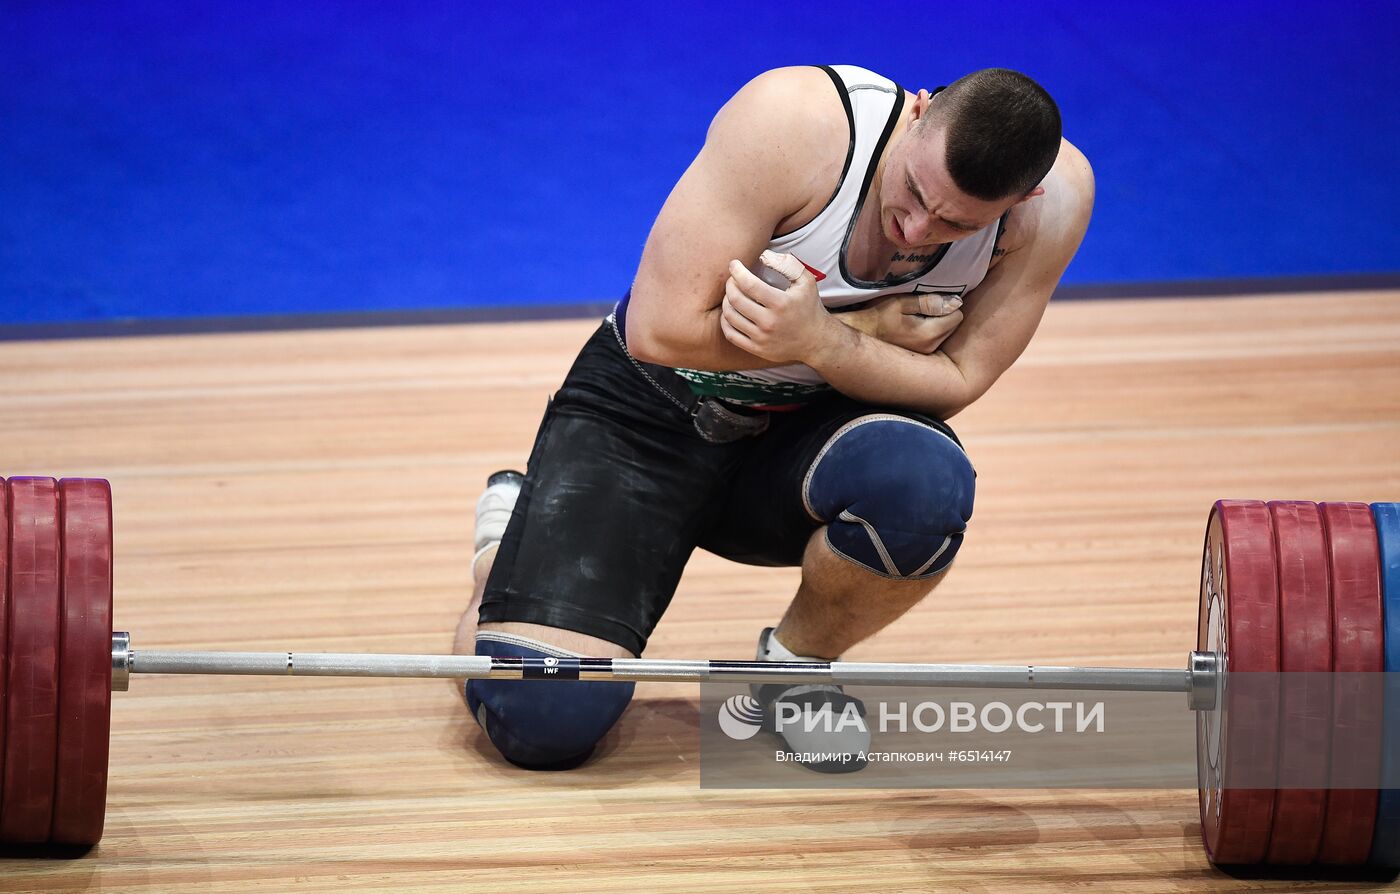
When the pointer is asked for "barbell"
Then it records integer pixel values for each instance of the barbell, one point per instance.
(1285, 587)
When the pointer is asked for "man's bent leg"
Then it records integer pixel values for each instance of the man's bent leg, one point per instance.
(493, 512)
(618, 486)
(838, 603)
(873, 504)
(551, 729)
(895, 494)
(537, 726)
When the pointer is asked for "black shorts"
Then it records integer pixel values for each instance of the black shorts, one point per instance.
(620, 489)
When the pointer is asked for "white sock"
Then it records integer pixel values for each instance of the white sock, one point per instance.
(776, 651)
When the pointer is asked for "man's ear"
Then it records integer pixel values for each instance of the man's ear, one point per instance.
(921, 104)
(1038, 191)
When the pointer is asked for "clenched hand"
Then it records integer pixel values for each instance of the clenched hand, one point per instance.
(784, 326)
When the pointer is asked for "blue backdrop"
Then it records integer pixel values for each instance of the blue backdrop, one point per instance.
(164, 159)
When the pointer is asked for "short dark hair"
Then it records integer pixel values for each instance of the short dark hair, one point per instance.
(1002, 132)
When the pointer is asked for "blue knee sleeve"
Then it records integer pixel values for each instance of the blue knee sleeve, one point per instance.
(895, 494)
(543, 725)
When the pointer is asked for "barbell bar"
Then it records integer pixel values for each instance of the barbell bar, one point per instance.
(1197, 681)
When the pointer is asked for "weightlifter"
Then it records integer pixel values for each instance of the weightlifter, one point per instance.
(906, 246)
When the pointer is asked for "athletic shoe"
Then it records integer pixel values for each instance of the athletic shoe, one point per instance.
(822, 726)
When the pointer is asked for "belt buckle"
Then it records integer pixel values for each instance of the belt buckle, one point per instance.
(718, 423)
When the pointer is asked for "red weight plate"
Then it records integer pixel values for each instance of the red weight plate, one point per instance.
(32, 700)
(4, 622)
(1358, 648)
(1305, 708)
(1239, 622)
(85, 662)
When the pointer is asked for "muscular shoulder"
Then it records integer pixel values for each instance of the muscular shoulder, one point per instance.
(783, 131)
(1061, 214)
(792, 106)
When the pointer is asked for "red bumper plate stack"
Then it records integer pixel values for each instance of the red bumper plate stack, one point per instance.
(1289, 764)
(55, 702)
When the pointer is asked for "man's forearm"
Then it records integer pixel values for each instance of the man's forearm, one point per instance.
(863, 367)
(702, 346)
(708, 349)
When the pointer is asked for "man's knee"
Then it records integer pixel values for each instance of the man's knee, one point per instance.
(896, 495)
(543, 725)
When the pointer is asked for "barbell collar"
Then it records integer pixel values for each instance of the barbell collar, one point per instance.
(121, 661)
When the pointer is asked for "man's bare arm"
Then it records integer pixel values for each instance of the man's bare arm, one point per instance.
(763, 159)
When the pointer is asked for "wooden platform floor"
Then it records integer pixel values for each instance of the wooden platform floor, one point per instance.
(315, 490)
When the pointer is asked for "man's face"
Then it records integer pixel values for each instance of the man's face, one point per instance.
(919, 204)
